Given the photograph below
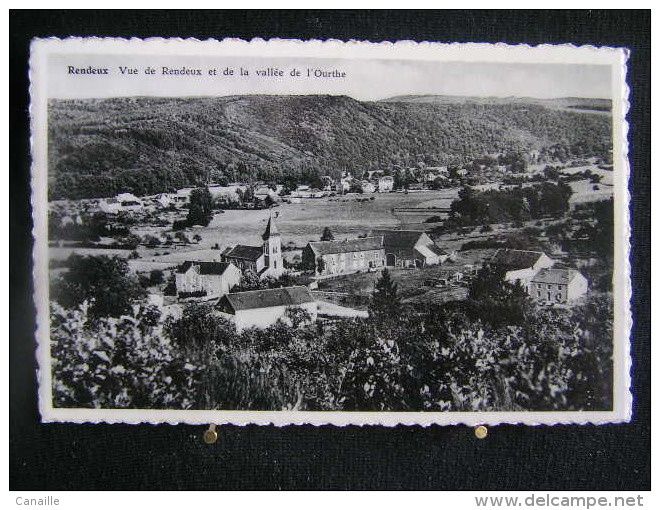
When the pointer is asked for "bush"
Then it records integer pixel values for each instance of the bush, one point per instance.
(104, 366)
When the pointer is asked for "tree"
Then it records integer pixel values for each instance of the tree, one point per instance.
(201, 207)
(297, 316)
(250, 281)
(327, 235)
(156, 277)
(104, 280)
(385, 301)
(199, 330)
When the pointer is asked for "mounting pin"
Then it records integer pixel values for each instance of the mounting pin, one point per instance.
(210, 435)
(480, 432)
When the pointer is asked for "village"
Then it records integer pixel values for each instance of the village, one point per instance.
(329, 273)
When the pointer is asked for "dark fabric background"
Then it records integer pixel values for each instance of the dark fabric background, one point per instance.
(89, 457)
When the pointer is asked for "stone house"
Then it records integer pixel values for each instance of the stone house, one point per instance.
(561, 286)
(342, 257)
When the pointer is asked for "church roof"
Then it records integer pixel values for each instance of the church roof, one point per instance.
(271, 229)
(244, 252)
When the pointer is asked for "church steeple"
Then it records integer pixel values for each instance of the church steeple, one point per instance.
(273, 249)
(271, 229)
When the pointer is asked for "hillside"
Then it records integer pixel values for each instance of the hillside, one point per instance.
(148, 145)
(574, 103)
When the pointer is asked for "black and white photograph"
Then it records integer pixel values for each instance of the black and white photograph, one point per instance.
(343, 233)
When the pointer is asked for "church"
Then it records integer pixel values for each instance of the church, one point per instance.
(265, 260)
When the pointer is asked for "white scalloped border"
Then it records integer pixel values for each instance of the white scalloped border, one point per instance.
(333, 48)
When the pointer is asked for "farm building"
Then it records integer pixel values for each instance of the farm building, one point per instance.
(206, 278)
(560, 286)
(263, 308)
(265, 260)
(520, 265)
(340, 257)
(410, 248)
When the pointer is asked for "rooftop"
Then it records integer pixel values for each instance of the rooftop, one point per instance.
(241, 251)
(347, 246)
(557, 276)
(271, 229)
(285, 296)
(399, 239)
(515, 259)
(204, 267)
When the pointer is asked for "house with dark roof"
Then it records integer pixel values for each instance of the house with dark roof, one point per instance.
(560, 286)
(265, 260)
(211, 279)
(342, 257)
(263, 308)
(410, 248)
(520, 265)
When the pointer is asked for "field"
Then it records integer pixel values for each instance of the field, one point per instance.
(347, 217)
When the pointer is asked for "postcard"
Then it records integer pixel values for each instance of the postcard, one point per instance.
(326, 232)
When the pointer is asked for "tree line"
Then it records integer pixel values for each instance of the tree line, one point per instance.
(151, 145)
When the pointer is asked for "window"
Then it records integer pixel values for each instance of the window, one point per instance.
(538, 294)
(558, 297)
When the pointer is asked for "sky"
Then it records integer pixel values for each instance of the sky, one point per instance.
(364, 79)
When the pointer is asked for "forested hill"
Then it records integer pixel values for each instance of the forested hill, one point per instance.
(148, 145)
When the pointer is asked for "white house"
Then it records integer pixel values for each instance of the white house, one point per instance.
(560, 286)
(122, 202)
(212, 279)
(182, 197)
(263, 308)
(385, 184)
(164, 200)
(129, 202)
(520, 265)
(367, 187)
(110, 205)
